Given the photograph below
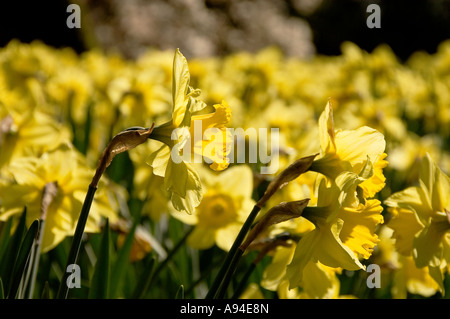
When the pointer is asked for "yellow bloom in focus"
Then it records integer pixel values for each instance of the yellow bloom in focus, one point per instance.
(348, 150)
(225, 206)
(421, 220)
(191, 123)
(344, 219)
(24, 186)
(344, 229)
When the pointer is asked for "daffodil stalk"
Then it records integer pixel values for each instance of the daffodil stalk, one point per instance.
(264, 248)
(225, 273)
(48, 194)
(124, 141)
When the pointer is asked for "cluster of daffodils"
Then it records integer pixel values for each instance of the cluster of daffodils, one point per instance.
(373, 131)
(338, 228)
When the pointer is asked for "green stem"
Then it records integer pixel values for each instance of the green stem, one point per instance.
(202, 277)
(36, 254)
(243, 281)
(231, 259)
(229, 274)
(76, 243)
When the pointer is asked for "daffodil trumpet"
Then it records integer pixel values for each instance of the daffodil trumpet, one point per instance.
(124, 141)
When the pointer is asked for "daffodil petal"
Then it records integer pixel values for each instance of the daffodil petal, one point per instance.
(333, 252)
(405, 225)
(356, 145)
(201, 238)
(175, 178)
(159, 160)
(326, 130)
(302, 255)
(180, 84)
(193, 193)
(226, 236)
(427, 245)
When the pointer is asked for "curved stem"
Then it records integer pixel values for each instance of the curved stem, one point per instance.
(231, 259)
(76, 243)
(124, 141)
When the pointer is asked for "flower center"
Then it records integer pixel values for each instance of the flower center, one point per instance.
(216, 211)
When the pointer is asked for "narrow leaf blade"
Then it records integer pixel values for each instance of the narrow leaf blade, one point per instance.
(22, 258)
(100, 278)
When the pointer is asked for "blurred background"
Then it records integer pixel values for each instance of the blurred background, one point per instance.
(202, 28)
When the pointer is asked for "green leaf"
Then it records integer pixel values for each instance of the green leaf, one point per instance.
(2, 291)
(46, 291)
(100, 278)
(22, 258)
(145, 280)
(4, 237)
(180, 293)
(122, 262)
(11, 251)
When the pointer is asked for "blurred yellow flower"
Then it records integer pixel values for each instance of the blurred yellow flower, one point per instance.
(24, 184)
(29, 133)
(147, 186)
(422, 219)
(226, 203)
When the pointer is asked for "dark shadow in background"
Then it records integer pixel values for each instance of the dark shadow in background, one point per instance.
(39, 19)
(406, 26)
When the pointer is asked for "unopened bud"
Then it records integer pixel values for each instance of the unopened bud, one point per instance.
(293, 171)
(122, 142)
(277, 214)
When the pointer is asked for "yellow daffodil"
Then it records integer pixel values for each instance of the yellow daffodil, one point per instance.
(64, 167)
(28, 133)
(401, 269)
(223, 210)
(348, 150)
(410, 279)
(180, 179)
(71, 89)
(319, 281)
(422, 219)
(344, 229)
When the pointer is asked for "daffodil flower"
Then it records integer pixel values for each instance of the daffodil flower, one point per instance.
(344, 228)
(348, 150)
(422, 218)
(194, 130)
(319, 281)
(28, 133)
(24, 184)
(406, 277)
(226, 204)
